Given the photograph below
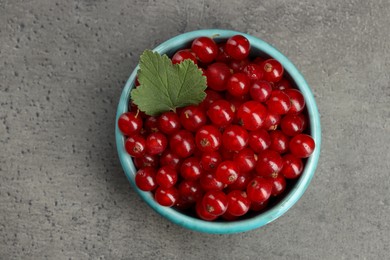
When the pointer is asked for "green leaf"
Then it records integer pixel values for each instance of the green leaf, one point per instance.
(165, 86)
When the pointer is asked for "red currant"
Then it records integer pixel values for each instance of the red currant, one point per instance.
(302, 145)
(166, 177)
(166, 197)
(221, 113)
(269, 163)
(215, 202)
(292, 124)
(208, 138)
(238, 47)
(190, 191)
(251, 115)
(210, 160)
(260, 90)
(211, 96)
(258, 206)
(278, 185)
(292, 166)
(297, 101)
(258, 60)
(222, 55)
(238, 65)
(227, 172)
(205, 49)
(156, 143)
(271, 121)
(203, 213)
(259, 140)
(183, 143)
(146, 160)
(130, 123)
(145, 179)
(169, 123)
(235, 138)
(151, 125)
(168, 158)
(135, 145)
(238, 203)
(245, 160)
(190, 169)
(192, 117)
(253, 71)
(184, 55)
(273, 70)
(283, 84)
(238, 84)
(259, 190)
(279, 102)
(209, 182)
(279, 141)
(217, 75)
(227, 154)
(242, 181)
(229, 217)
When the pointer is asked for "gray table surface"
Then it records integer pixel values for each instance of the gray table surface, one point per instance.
(63, 194)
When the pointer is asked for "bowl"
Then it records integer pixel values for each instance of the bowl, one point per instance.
(258, 47)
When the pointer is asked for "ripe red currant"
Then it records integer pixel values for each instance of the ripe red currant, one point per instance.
(221, 113)
(145, 179)
(273, 70)
(208, 138)
(215, 202)
(260, 90)
(297, 101)
(151, 125)
(242, 181)
(203, 213)
(184, 55)
(279, 102)
(166, 177)
(302, 145)
(217, 75)
(208, 182)
(227, 172)
(238, 65)
(238, 47)
(279, 141)
(168, 158)
(156, 143)
(135, 145)
(269, 163)
(130, 123)
(253, 71)
(166, 197)
(251, 115)
(292, 124)
(190, 191)
(205, 49)
(258, 206)
(238, 203)
(271, 121)
(222, 55)
(190, 169)
(278, 185)
(210, 160)
(146, 160)
(235, 138)
(182, 143)
(245, 160)
(283, 84)
(259, 140)
(259, 190)
(292, 166)
(192, 117)
(169, 123)
(238, 84)
(211, 96)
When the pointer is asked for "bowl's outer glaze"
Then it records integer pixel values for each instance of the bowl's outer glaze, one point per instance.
(258, 47)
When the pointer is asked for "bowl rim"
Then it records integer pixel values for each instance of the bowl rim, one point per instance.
(241, 225)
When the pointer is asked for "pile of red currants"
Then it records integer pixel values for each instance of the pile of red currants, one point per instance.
(232, 152)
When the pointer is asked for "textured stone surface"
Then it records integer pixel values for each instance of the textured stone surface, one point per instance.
(63, 194)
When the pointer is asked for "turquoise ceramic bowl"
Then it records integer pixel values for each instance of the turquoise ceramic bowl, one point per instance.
(258, 47)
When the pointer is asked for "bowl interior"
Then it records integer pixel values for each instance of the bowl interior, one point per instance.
(277, 206)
